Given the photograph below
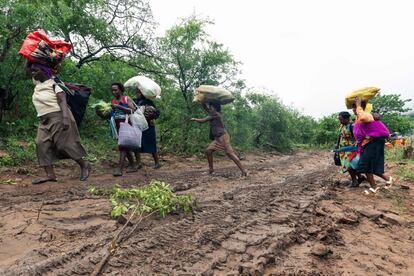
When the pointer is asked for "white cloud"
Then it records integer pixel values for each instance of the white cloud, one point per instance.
(311, 53)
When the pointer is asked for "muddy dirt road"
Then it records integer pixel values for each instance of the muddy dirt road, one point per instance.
(292, 215)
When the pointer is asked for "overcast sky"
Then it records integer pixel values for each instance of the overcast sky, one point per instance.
(310, 53)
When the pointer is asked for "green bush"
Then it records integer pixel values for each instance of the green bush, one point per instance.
(20, 151)
(328, 130)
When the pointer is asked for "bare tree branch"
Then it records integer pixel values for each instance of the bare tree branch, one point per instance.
(114, 13)
(129, 26)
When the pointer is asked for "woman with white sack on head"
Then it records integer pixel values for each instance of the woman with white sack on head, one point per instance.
(146, 91)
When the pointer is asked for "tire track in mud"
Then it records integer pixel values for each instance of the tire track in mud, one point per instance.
(240, 233)
(225, 238)
(68, 190)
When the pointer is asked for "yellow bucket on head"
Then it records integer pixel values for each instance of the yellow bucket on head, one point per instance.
(365, 94)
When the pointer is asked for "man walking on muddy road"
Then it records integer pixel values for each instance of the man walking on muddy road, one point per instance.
(219, 135)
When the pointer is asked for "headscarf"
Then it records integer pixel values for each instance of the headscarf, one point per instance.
(45, 69)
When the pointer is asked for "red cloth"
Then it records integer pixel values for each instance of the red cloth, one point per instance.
(39, 48)
(124, 101)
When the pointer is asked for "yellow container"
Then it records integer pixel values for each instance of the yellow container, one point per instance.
(365, 94)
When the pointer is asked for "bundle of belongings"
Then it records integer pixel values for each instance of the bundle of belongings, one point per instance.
(365, 94)
(211, 93)
(149, 88)
(38, 48)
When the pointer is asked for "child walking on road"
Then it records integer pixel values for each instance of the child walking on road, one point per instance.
(219, 135)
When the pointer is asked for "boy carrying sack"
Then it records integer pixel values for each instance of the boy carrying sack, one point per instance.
(219, 135)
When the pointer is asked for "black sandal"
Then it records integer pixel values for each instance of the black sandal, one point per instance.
(84, 178)
(117, 172)
(132, 169)
(43, 180)
(354, 184)
(361, 179)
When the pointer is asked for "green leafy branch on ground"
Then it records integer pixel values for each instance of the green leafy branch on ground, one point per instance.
(8, 182)
(156, 197)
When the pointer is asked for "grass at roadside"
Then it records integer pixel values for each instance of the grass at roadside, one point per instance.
(406, 172)
(405, 167)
